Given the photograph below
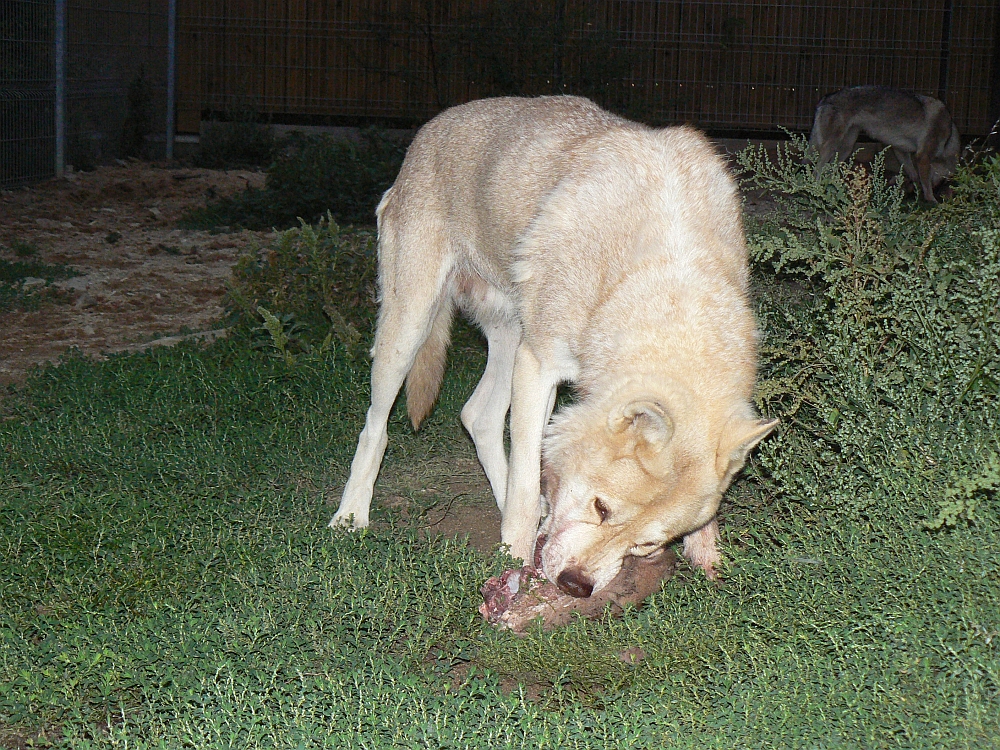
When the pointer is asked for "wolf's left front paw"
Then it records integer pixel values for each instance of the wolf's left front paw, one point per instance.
(347, 520)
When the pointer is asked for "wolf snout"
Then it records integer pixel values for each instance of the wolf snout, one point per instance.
(574, 583)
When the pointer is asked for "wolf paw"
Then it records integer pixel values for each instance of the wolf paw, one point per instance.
(348, 521)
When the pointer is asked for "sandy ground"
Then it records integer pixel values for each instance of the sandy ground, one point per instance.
(142, 281)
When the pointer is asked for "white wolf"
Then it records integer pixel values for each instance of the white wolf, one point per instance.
(590, 250)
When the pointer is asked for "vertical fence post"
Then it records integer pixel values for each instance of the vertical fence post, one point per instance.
(945, 53)
(60, 103)
(993, 105)
(171, 73)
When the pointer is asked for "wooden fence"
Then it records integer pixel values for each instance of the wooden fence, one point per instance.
(725, 66)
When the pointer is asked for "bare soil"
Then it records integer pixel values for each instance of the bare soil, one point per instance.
(142, 281)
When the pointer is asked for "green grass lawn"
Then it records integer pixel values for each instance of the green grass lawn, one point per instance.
(167, 578)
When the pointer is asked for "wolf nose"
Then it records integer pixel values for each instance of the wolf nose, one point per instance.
(574, 584)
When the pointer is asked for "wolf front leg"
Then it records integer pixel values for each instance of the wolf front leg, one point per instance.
(924, 173)
(533, 395)
(701, 551)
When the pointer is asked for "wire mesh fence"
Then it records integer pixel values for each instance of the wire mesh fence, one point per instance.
(723, 65)
(116, 71)
(27, 96)
(115, 63)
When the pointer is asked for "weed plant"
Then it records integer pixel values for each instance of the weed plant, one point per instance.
(312, 284)
(15, 295)
(138, 117)
(310, 176)
(885, 368)
(242, 140)
(167, 578)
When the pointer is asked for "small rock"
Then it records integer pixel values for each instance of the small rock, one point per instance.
(632, 655)
(31, 281)
(75, 284)
(53, 224)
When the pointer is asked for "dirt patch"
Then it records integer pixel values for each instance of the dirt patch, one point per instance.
(443, 492)
(141, 279)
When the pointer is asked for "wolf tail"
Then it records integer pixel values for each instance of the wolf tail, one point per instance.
(424, 379)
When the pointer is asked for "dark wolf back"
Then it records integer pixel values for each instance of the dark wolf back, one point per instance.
(898, 104)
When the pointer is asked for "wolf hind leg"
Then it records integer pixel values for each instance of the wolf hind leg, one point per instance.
(831, 136)
(844, 146)
(413, 296)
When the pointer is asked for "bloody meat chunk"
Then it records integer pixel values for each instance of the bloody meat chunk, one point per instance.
(516, 598)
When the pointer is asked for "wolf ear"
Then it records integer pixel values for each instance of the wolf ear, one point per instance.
(649, 426)
(739, 437)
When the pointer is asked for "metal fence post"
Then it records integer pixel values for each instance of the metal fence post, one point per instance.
(171, 73)
(60, 103)
(945, 53)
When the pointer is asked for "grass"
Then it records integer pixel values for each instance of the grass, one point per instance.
(14, 295)
(168, 579)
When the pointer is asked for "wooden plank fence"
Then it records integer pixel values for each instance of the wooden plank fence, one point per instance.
(723, 65)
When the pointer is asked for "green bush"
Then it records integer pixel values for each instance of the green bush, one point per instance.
(310, 176)
(881, 339)
(311, 285)
(241, 143)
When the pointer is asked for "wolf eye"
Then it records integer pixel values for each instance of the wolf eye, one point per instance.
(602, 509)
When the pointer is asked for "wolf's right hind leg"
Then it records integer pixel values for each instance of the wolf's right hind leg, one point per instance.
(409, 308)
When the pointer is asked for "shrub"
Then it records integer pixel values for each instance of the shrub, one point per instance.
(241, 141)
(881, 348)
(312, 175)
(311, 285)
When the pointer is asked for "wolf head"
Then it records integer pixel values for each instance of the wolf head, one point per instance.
(628, 479)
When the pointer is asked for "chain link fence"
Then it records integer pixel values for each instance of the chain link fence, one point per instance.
(81, 83)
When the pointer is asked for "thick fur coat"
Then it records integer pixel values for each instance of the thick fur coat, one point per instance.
(590, 250)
